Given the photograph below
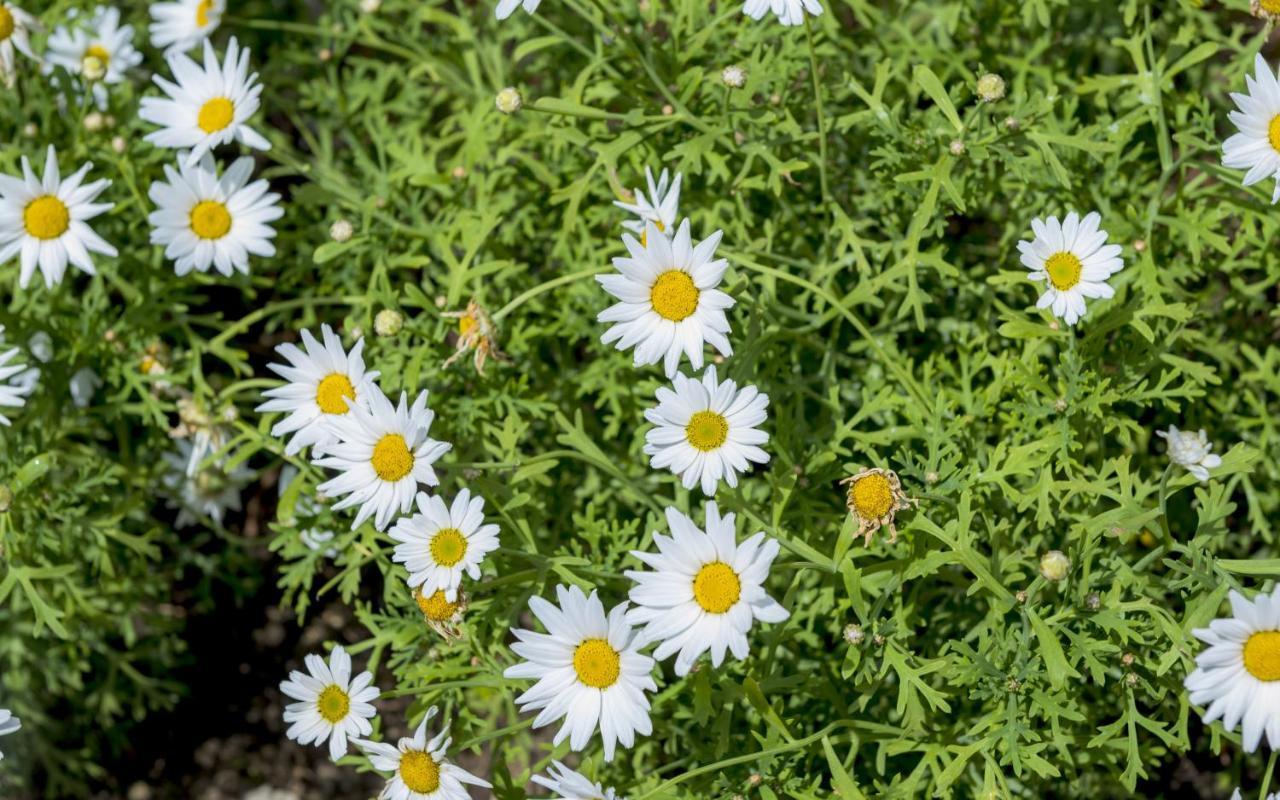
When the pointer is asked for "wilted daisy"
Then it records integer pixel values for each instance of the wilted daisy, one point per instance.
(569, 785)
(589, 670)
(1073, 257)
(660, 206)
(476, 334)
(707, 430)
(706, 590)
(442, 615)
(669, 304)
(99, 52)
(181, 25)
(875, 497)
(206, 107)
(322, 381)
(15, 35)
(201, 492)
(1191, 450)
(384, 454)
(1236, 677)
(507, 7)
(1256, 147)
(440, 543)
(44, 221)
(331, 704)
(204, 220)
(422, 770)
(11, 392)
(788, 12)
(8, 724)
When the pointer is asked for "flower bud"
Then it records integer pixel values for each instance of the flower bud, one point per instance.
(509, 100)
(388, 322)
(1054, 565)
(341, 231)
(853, 634)
(733, 76)
(990, 88)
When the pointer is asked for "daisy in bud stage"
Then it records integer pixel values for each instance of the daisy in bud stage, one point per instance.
(383, 454)
(875, 497)
(706, 590)
(44, 221)
(332, 706)
(16, 26)
(420, 767)
(1256, 148)
(99, 52)
(660, 206)
(181, 25)
(589, 671)
(206, 107)
(1074, 260)
(8, 724)
(1191, 450)
(788, 12)
(668, 301)
(204, 220)
(707, 431)
(441, 543)
(12, 391)
(565, 784)
(323, 381)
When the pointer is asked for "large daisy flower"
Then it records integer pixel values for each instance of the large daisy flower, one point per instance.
(384, 454)
(204, 220)
(788, 12)
(331, 704)
(570, 785)
(1073, 257)
(98, 53)
(8, 724)
(589, 671)
(322, 381)
(13, 393)
(15, 34)
(181, 25)
(440, 543)
(1256, 147)
(421, 769)
(706, 590)
(660, 206)
(669, 304)
(44, 221)
(707, 430)
(1238, 676)
(207, 107)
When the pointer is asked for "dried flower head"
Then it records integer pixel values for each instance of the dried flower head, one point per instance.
(475, 332)
(875, 497)
(442, 616)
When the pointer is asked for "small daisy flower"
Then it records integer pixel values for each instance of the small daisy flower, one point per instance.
(442, 615)
(44, 221)
(384, 454)
(12, 394)
(8, 724)
(422, 770)
(589, 671)
(99, 52)
(1256, 147)
(1074, 258)
(15, 35)
(1191, 450)
(476, 333)
(706, 590)
(204, 220)
(569, 785)
(707, 430)
(1236, 794)
(322, 380)
(208, 106)
(1236, 677)
(331, 704)
(507, 7)
(660, 206)
(788, 12)
(440, 543)
(180, 26)
(669, 304)
(201, 493)
(875, 497)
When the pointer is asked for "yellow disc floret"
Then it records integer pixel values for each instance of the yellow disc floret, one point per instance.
(674, 296)
(1273, 130)
(210, 220)
(216, 114)
(202, 13)
(707, 430)
(419, 771)
(598, 665)
(333, 392)
(448, 546)
(1270, 6)
(437, 607)
(872, 496)
(716, 587)
(7, 24)
(391, 458)
(46, 217)
(1064, 270)
(333, 704)
(1262, 655)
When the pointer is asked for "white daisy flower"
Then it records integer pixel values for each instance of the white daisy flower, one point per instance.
(660, 206)
(1238, 676)
(204, 220)
(12, 393)
(421, 768)
(1075, 260)
(201, 493)
(1191, 450)
(570, 785)
(321, 381)
(707, 430)
(589, 669)
(8, 724)
(15, 35)
(44, 221)
(440, 543)
(181, 25)
(1256, 147)
(788, 12)
(98, 52)
(206, 107)
(706, 590)
(507, 7)
(1270, 796)
(669, 304)
(384, 454)
(331, 704)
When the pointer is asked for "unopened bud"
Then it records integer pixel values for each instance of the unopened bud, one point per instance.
(388, 322)
(509, 100)
(1054, 565)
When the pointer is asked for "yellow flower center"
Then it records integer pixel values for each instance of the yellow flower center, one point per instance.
(657, 223)
(716, 587)
(333, 392)
(435, 608)
(872, 496)
(7, 24)
(597, 663)
(448, 546)
(202, 13)
(1271, 7)
(1262, 655)
(333, 704)
(210, 220)
(216, 114)
(1273, 130)
(674, 296)
(46, 217)
(466, 324)
(94, 62)
(707, 430)
(419, 771)
(391, 458)
(1064, 270)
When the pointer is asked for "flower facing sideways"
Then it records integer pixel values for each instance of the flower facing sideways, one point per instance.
(1191, 450)
(181, 25)
(660, 206)
(16, 26)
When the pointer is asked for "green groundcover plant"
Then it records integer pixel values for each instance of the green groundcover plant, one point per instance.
(989, 565)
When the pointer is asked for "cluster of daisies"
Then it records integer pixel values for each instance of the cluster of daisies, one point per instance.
(788, 12)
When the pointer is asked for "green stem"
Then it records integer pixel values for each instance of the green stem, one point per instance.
(541, 288)
(822, 125)
(1164, 498)
(1266, 776)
